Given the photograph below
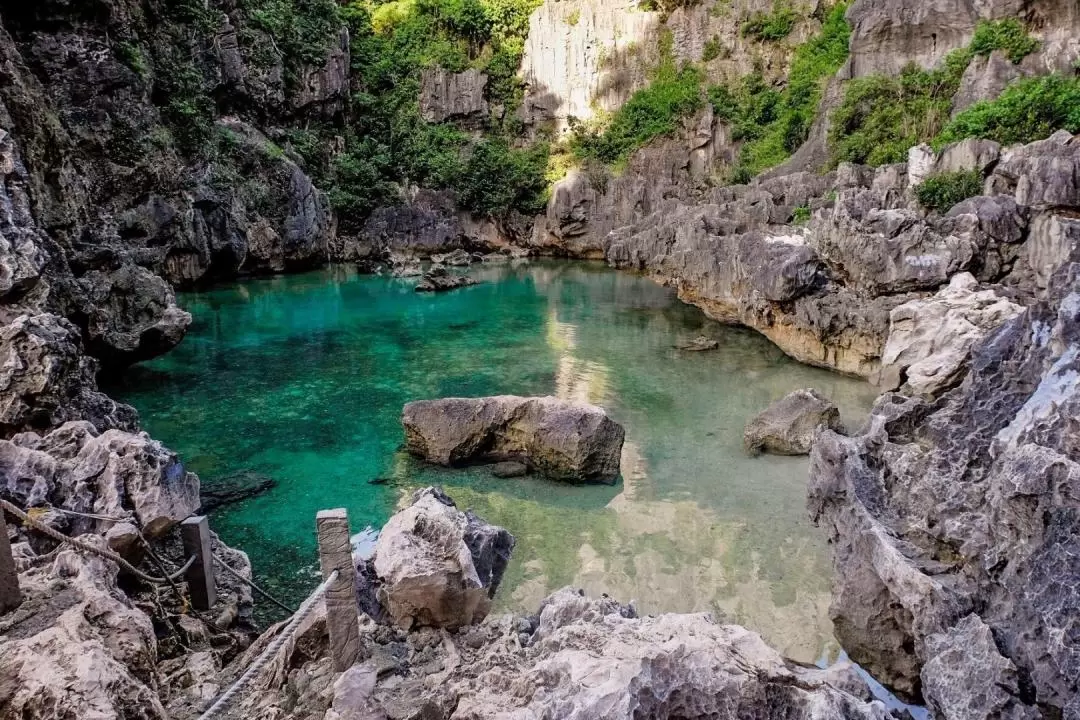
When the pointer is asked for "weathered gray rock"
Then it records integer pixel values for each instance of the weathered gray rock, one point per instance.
(457, 258)
(446, 95)
(966, 677)
(1041, 174)
(437, 566)
(967, 505)
(45, 380)
(114, 474)
(930, 340)
(88, 652)
(563, 440)
(985, 78)
(787, 426)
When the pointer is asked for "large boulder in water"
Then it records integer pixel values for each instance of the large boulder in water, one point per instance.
(438, 566)
(787, 426)
(563, 440)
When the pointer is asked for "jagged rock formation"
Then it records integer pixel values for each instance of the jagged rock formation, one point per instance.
(563, 440)
(452, 96)
(787, 426)
(969, 506)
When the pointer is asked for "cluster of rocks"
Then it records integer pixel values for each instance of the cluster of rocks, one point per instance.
(430, 650)
(576, 442)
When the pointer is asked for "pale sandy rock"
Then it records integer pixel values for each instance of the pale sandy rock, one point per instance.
(88, 648)
(930, 340)
(569, 441)
(1053, 239)
(585, 55)
(424, 561)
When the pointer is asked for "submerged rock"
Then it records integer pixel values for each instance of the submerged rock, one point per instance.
(787, 426)
(563, 440)
(509, 469)
(233, 489)
(437, 566)
(438, 279)
(699, 344)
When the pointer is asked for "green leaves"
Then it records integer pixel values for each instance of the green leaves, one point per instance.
(651, 112)
(1029, 109)
(1008, 35)
(942, 192)
(772, 26)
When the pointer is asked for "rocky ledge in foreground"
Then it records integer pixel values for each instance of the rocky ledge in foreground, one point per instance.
(568, 441)
(956, 526)
(578, 658)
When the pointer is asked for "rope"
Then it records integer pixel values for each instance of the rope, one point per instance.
(91, 516)
(251, 584)
(271, 650)
(93, 550)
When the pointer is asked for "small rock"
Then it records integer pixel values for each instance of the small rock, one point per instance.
(509, 469)
(699, 344)
(438, 280)
(787, 426)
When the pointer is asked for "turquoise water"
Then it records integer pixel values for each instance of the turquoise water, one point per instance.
(302, 378)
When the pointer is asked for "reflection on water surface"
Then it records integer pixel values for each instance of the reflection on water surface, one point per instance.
(302, 378)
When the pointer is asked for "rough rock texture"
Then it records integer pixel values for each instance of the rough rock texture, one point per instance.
(114, 473)
(930, 340)
(584, 55)
(967, 506)
(578, 659)
(88, 650)
(889, 34)
(563, 440)
(437, 566)
(446, 95)
(787, 426)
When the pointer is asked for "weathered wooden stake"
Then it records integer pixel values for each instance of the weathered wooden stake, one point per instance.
(10, 596)
(335, 553)
(195, 532)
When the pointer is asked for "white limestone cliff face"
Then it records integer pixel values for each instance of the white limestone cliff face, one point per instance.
(585, 56)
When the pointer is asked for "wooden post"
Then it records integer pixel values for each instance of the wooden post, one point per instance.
(10, 596)
(195, 532)
(335, 553)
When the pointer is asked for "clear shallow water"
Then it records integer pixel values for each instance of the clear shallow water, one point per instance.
(302, 378)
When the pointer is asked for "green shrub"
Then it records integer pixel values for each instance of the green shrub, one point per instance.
(942, 192)
(801, 215)
(771, 26)
(1029, 109)
(881, 116)
(1009, 35)
(713, 49)
(497, 178)
(302, 30)
(772, 123)
(654, 111)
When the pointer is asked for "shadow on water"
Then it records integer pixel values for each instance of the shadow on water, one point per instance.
(302, 379)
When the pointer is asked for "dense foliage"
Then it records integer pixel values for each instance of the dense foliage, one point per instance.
(882, 116)
(673, 94)
(773, 122)
(388, 144)
(1028, 110)
(942, 192)
(770, 26)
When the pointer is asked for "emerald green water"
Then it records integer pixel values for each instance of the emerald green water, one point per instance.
(302, 378)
